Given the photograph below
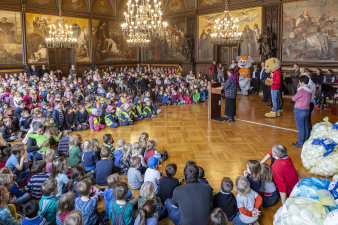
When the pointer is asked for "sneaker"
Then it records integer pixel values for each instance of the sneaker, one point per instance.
(297, 145)
(158, 111)
(164, 156)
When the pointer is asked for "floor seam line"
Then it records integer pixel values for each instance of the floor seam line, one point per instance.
(267, 125)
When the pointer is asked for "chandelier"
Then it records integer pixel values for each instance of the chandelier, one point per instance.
(61, 35)
(143, 22)
(226, 29)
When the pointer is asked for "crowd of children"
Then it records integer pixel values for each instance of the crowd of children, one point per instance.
(59, 189)
(57, 178)
(99, 98)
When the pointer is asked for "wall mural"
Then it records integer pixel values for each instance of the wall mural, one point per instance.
(43, 3)
(250, 24)
(37, 30)
(75, 5)
(109, 44)
(103, 7)
(169, 49)
(209, 3)
(10, 38)
(174, 6)
(310, 31)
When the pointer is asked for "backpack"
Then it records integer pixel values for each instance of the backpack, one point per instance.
(118, 219)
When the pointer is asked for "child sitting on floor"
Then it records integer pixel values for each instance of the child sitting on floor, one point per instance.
(104, 167)
(113, 180)
(135, 179)
(86, 205)
(268, 189)
(253, 173)
(120, 207)
(65, 205)
(48, 202)
(248, 202)
(30, 210)
(74, 158)
(168, 183)
(108, 142)
(225, 199)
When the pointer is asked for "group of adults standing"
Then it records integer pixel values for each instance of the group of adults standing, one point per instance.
(305, 90)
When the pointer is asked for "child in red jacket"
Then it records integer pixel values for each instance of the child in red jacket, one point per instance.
(283, 171)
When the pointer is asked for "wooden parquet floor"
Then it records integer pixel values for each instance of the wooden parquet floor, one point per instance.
(221, 148)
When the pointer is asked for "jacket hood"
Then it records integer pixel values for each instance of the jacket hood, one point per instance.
(306, 88)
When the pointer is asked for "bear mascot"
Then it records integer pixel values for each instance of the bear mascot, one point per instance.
(244, 63)
(272, 66)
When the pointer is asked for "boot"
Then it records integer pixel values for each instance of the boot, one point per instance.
(278, 113)
(271, 115)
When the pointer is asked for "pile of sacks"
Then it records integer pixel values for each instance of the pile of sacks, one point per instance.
(320, 151)
(313, 201)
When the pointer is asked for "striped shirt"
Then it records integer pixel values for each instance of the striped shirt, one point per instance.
(35, 183)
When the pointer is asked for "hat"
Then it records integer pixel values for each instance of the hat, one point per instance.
(152, 162)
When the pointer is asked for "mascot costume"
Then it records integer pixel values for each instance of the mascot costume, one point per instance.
(272, 66)
(244, 63)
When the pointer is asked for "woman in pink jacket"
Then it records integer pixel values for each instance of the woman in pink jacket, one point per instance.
(302, 110)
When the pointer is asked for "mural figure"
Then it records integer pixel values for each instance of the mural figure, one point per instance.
(109, 43)
(249, 24)
(10, 38)
(37, 29)
(171, 47)
(266, 44)
(310, 31)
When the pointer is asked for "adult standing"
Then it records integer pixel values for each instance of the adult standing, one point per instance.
(191, 203)
(255, 78)
(43, 70)
(220, 73)
(318, 80)
(266, 89)
(230, 95)
(295, 77)
(213, 69)
(33, 71)
(72, 70)
(132, 83)
(233, 64)
(302, 110)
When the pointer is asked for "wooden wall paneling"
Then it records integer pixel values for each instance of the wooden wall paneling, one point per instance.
(204, 69)
(271, 22)
(186, 68)
(23, 36)
(90, 28)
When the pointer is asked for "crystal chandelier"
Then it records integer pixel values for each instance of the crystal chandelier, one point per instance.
(61, 35)
(226, 30)
(143, 22)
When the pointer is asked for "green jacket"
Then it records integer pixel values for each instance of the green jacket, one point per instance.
(196, 97)
(39, 139)
(47, 208)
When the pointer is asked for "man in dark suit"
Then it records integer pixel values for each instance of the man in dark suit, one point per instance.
(266, 89)
(295, 77)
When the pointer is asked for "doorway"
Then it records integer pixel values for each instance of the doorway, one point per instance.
(226, 53)
(59, 58)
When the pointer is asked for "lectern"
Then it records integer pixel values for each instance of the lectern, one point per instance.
(214, 109)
